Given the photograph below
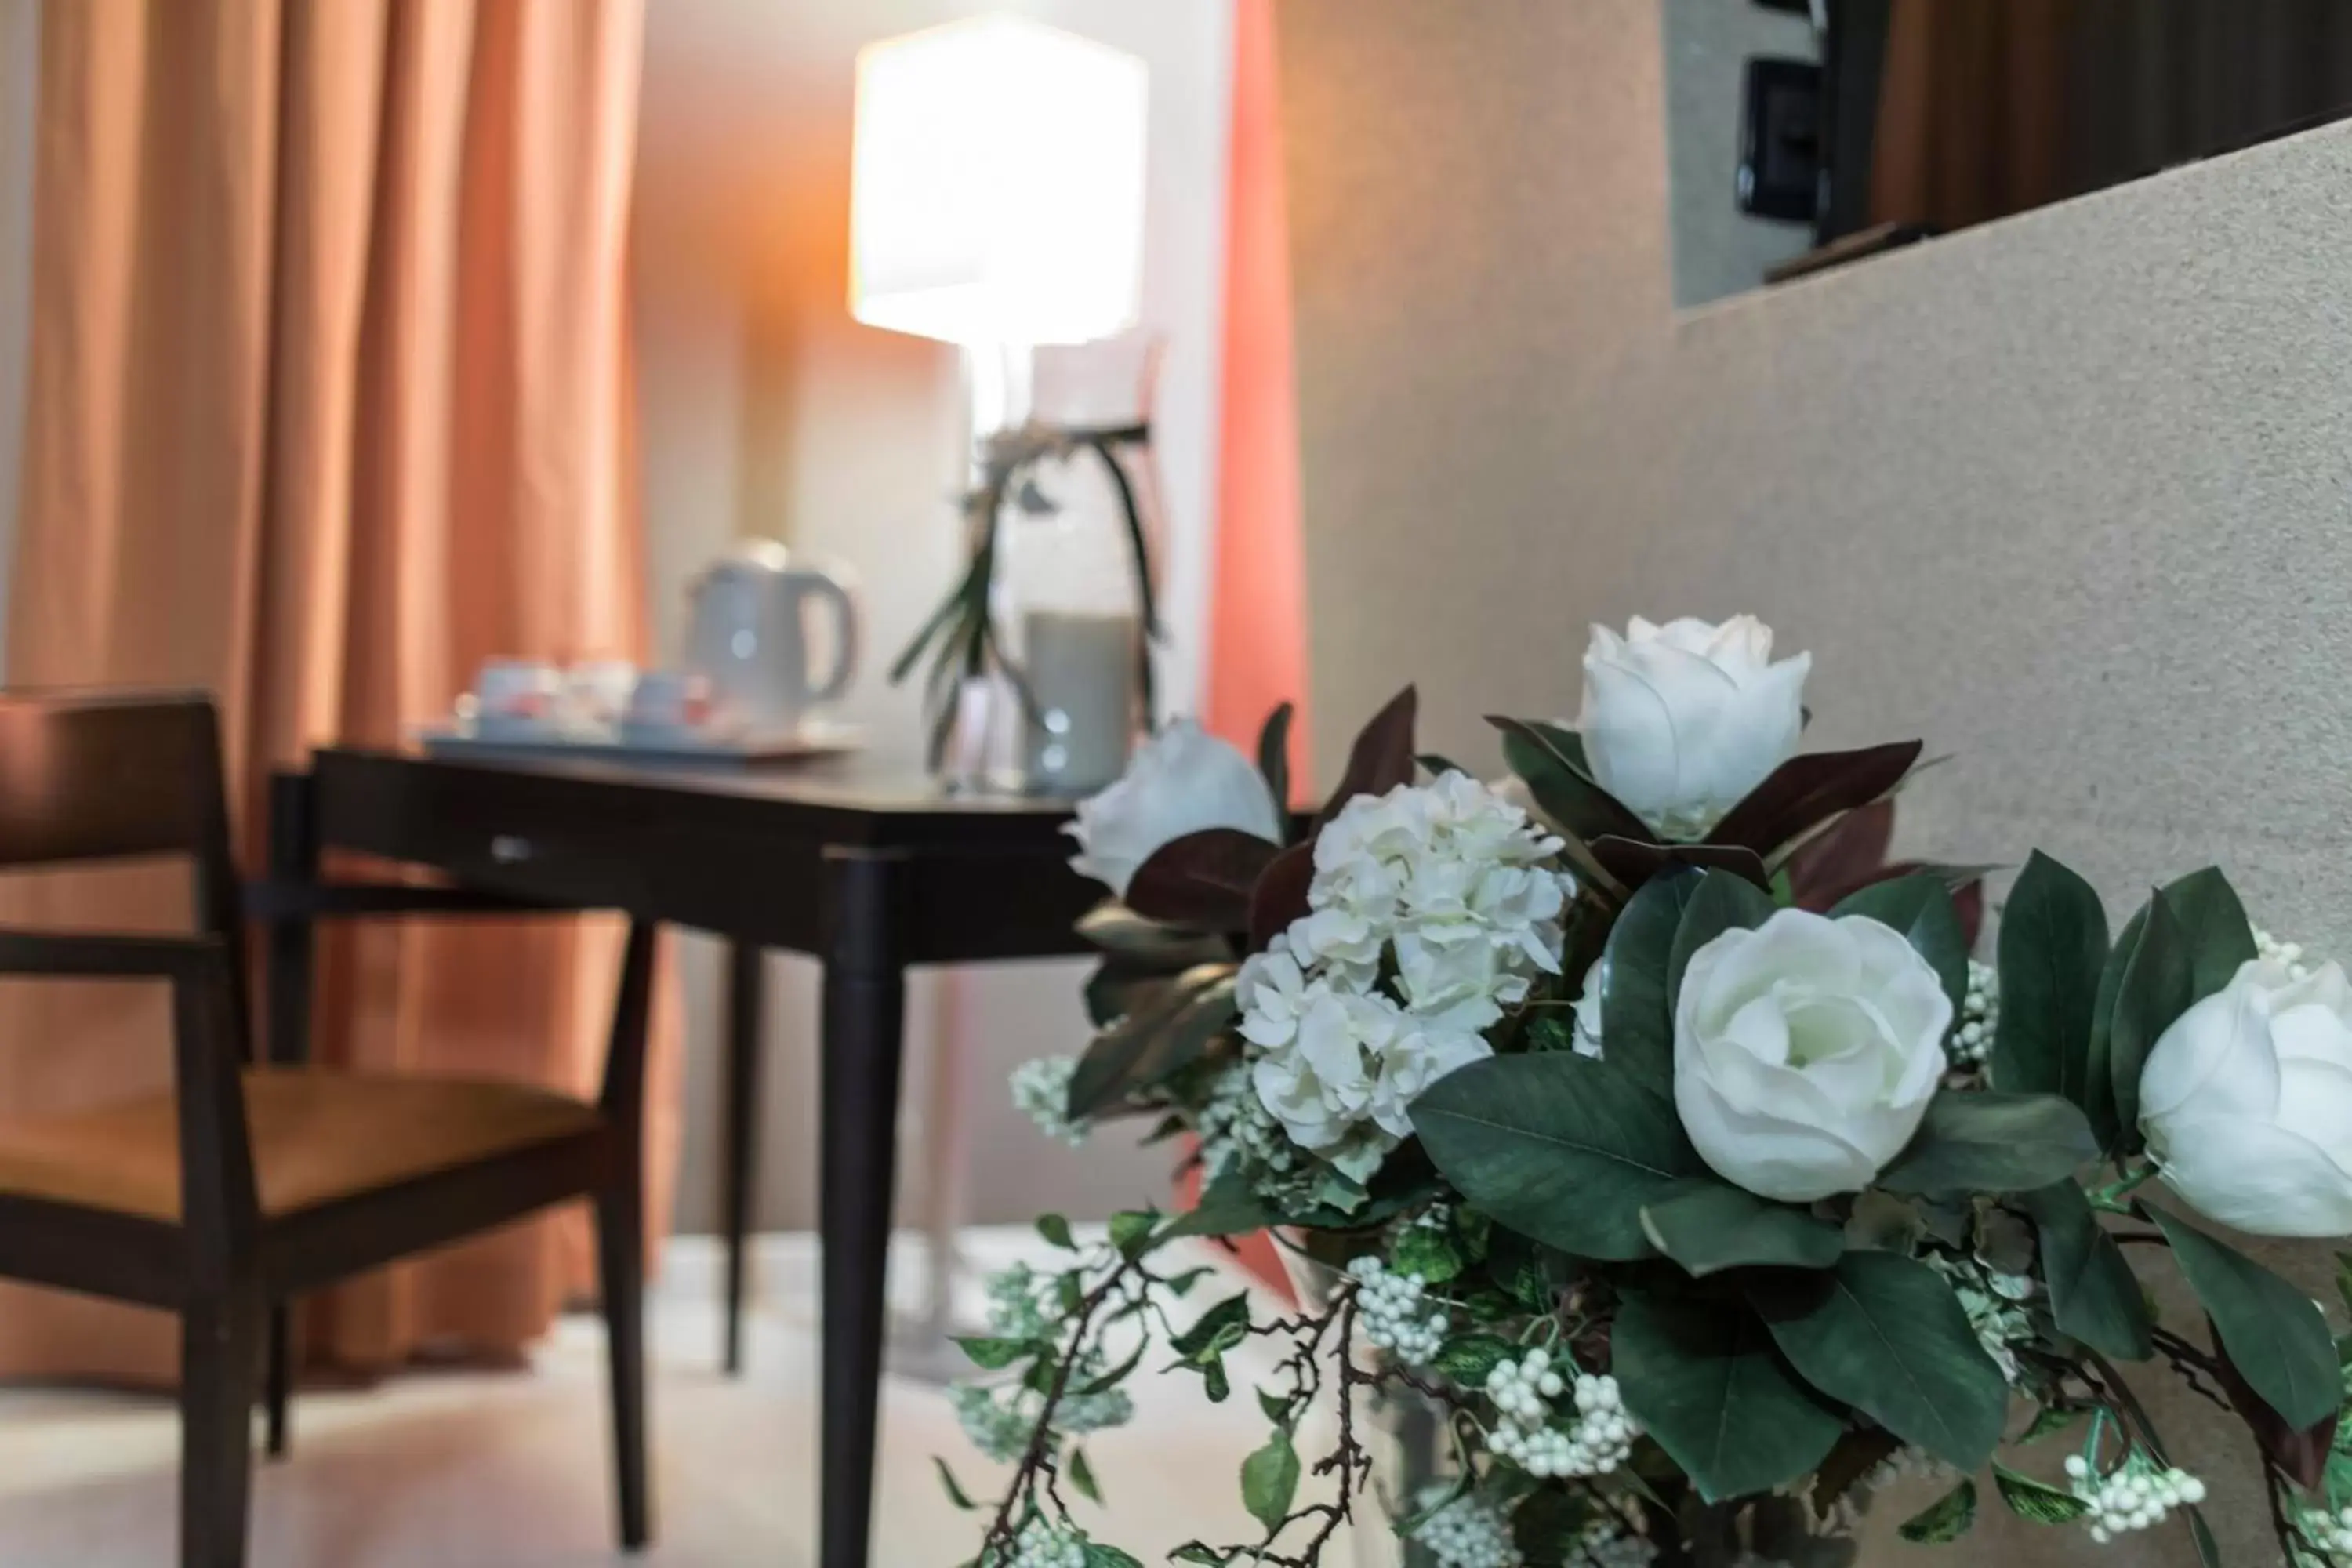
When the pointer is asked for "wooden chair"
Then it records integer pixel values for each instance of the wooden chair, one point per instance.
(246, 1186)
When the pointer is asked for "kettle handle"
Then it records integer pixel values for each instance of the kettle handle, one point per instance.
(809, 583)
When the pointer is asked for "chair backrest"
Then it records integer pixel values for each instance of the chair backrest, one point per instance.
(102, 775)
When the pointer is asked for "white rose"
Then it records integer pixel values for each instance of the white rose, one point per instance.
(1182, 780)
(1682, 720)
(1806, 1051)
(2247, 1102)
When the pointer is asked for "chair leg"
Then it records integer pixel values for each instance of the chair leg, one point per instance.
(620, 1257)
(221, 1343)
(280, 1389)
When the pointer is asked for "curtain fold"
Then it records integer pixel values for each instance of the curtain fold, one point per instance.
(327, 402)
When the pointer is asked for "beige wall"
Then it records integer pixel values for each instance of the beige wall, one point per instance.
(2069, 495)
(765, 409)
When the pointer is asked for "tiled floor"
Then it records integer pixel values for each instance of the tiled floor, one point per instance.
(509, 1470)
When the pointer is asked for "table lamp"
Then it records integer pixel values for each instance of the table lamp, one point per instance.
(997, 200)
(997, 203)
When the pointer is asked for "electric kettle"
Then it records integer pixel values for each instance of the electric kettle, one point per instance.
(750, 635)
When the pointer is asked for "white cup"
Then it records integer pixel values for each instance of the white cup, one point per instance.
(670, 699)
(518, 688)
(597, 691)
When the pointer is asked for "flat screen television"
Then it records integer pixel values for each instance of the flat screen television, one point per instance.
(1936, 114)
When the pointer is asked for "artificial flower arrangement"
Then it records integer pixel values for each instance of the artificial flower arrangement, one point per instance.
(1669, 1144)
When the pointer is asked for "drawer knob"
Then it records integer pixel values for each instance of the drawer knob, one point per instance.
(507, 848)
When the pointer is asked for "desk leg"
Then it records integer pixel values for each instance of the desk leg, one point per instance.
(292, 948)
(741, 1151)
(865, 1012)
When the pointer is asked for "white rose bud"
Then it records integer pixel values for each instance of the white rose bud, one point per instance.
(1182, 780)
(2247, 1102)
(1680, 721)
(1806, 1052)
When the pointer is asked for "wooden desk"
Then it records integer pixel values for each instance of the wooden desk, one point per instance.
(866, 870)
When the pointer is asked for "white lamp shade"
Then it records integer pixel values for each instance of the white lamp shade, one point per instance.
(997, 193)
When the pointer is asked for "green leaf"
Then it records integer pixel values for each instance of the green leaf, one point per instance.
(1707, 1227)
(1568, 796)
(1227, 1207)
(1082, 1476)
(2094, 1295)
(1130, 1230)
(992, 1354)
(2344, 1279)
(1101, 1557)
(1703, 1378)
(1216, 1382)
(2037, 1501)
(2048, 1423)
(956, 1493)
(1270, 1479)
(1169, 1032)
(1178, 1284)
(1215, 1331)
(2156, 987)
(1274, 755)
(2221, 937)
(2200, 1535)
(1887, 1336)
(1637, 1016)
(1723, 900)
(1105, 1381)
(1565, 743)
(1920, 908)
(2053, 941)
(1983, 1141)
(1428, 1251)
(1057, 1229)
(1164, 949)
(1277, 1407)
(1558, 1147)
(1946, 1519)
(2274, 1335)
(1468, 1359)
(1437, 766)
(1193, 1551)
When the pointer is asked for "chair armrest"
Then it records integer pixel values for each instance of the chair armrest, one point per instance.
(274, 903)
(64, 954)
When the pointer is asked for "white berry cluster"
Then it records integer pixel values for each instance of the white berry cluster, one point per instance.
(2137, 1495)
(1469, 1533)
(2328, 1535)
(1610, 1543)
(1980, 1016)
(1523, 1391)
(1391, 1307)
(1023, 1304)
(1043, 1545)
(997, 1430)
(1041, 1091)
(2287, 952)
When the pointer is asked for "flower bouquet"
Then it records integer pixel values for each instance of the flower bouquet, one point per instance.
(1668, 1142)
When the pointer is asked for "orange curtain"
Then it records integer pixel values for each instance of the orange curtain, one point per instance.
(1257, 632)
(327, 402)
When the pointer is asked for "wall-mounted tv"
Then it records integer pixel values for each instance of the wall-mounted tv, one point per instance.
(1936, 114)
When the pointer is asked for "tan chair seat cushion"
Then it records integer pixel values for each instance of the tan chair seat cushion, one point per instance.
(318, 1136)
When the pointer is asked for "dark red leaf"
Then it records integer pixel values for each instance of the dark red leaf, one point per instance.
(1382, 758)
(2302, 1455)
(1202, 881)
(1634, 862)
(1281, 894)
(1806, 791)
(1968, 902)
(1843, 854)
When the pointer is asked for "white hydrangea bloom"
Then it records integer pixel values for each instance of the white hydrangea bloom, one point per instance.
(1355, 1059)
(994, 1427)
(1271, 992)
(1588, 1009)
(1454, 880)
